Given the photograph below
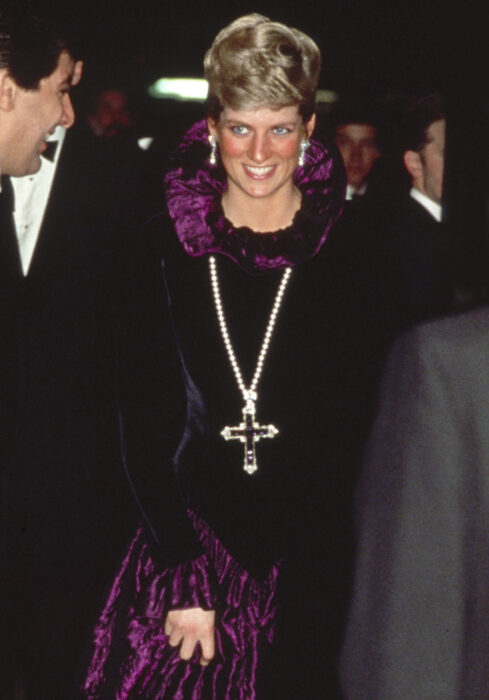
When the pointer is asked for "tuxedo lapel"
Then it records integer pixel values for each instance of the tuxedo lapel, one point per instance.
(53, 233)
(10, 263)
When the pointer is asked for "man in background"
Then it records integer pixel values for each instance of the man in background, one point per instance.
(356, 138)
(421, 238)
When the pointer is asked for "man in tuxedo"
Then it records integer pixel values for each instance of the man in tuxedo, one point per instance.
(396, 240)
(66, 509)
(37, 71)
(416, 227)
(357, 140)
(419, 619)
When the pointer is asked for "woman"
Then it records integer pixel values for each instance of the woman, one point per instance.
(231, 323)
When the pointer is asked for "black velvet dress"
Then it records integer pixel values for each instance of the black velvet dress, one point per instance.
(286, 528)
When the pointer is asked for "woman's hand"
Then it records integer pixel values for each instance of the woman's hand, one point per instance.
(190, 627)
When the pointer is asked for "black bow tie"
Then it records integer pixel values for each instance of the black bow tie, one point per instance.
(50, 151)
(6, 194)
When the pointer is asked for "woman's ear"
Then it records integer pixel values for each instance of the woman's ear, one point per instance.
(211, 125)
(309, 126)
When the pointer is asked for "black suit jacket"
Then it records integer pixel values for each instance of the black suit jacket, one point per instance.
(66, 509)
(399, 255)
(425, 254)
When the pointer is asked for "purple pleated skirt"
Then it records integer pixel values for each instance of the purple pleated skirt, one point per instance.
(130, 654)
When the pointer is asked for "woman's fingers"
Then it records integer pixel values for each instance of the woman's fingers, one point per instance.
(207, 646)
(189, 627)
(175, 637)
(188, 647)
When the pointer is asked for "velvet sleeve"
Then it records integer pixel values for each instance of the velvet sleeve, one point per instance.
(152, 405)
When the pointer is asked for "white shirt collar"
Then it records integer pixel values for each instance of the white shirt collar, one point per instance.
(431, 207)
(350, 191)
(31, 194)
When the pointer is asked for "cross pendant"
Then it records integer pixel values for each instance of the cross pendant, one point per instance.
(249, 432)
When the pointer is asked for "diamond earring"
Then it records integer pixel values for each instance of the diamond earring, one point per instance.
(213, 154)
(302, 154)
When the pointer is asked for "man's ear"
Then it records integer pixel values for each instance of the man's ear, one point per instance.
(77, 73)
(8, 90)
(412, 163)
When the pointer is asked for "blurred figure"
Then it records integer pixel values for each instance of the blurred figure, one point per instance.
(109, 114)
(110, 123)
(356, 138)
(420, 611)
(422, 240)
(395, 238)
(424, 153)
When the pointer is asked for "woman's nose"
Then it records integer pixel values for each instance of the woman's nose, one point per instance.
(259, 148)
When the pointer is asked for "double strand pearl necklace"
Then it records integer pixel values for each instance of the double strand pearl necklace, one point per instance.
(249, 431)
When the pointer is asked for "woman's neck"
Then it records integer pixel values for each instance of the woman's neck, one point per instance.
(263, 214)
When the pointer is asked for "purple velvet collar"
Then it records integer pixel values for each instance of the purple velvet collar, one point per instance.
(194, 189)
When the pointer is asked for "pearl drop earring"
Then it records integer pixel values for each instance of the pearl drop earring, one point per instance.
(213, 154)
(302, 155)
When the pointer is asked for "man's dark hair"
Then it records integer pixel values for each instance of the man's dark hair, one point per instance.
(355, 109)
(418, 118)
(29, 47)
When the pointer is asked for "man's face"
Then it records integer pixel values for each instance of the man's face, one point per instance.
(36, 113)
(432, 162)
(111, 115)
(359, 151)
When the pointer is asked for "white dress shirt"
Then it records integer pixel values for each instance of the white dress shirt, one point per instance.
(431, 207)
(350, 191)
(31, 194)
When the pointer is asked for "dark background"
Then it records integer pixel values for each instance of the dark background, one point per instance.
(392, 44)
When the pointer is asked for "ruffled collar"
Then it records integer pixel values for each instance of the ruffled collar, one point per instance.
(194, 190)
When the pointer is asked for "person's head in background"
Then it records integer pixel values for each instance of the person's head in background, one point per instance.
(356, 135)
(109, 112)
(424, 145)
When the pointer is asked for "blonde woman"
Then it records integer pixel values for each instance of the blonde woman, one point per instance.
(228, 397)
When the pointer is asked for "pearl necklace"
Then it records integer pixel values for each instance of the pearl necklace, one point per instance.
(248, 432)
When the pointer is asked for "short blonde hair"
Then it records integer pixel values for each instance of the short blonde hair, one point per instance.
(254, 62)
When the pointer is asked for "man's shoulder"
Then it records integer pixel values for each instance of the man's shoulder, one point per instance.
(406, 209)
(452, 341)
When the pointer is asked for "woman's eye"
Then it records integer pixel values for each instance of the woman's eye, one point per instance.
(239, 129)
(281, 130)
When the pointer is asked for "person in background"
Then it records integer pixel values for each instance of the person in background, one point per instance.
(420, 235)
(355, 134)
(420, 614)
(109, 114)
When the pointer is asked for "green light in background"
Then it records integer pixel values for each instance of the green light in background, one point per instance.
(326, 96)
(196, 89)
(179, 89)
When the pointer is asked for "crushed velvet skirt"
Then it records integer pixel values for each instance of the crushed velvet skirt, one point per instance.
(130, 654)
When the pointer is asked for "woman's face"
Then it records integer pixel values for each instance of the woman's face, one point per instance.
(259, 148)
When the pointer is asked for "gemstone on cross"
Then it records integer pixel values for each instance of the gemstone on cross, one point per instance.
(249, 433)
